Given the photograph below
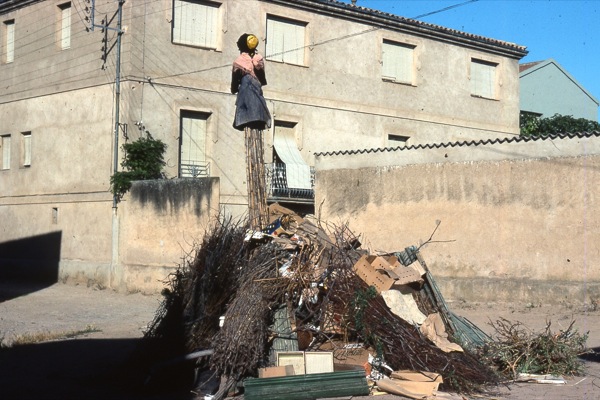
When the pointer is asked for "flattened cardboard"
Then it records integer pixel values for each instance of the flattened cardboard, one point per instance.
(378, 272)
(274, 372)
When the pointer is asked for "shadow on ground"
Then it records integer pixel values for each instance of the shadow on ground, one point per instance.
(91, 369)
(593, 355)
(31, 262)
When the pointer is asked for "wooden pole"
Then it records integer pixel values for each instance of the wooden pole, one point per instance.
(255, 179)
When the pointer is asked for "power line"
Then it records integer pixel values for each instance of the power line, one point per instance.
(444, 9)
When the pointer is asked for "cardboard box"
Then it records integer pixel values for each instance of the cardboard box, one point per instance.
(378, 272)
(273, 372)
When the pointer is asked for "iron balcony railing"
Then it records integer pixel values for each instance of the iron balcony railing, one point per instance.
(194, 169)
(277, 187)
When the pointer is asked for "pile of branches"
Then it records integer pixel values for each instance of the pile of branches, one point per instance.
(516, 350)
(312, 276)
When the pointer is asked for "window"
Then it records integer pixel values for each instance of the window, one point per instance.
(26, 149)
(397, 62)
(65, 26)
(5, 151)
(192, 143)
(9, 41)
(397, 140)
(195, 23)
(285, 41)
(483, 79)
(291, 171)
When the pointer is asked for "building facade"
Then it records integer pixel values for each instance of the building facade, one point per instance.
(94, 75)
(548, 89)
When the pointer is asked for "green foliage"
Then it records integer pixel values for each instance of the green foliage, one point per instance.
(532, 125)
(143, 160)
(515, 349)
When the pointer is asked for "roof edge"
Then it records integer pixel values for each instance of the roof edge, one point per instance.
(402, 24)
(515, 139)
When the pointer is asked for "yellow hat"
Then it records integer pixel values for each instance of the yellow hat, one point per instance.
(252, 42)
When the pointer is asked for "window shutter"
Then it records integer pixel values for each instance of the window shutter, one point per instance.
(397, 62)
(193, 142)
(10, 42)
(195, 24)
(285, 41)
(65, 27)
(483, 79)
(6, 152)
(26, 149)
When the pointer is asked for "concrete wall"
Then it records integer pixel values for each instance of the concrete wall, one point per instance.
(519, 220)
(159, 224)
(132, 248)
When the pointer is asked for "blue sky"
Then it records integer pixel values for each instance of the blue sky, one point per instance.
(565, 30)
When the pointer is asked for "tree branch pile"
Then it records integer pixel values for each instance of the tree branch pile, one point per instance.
(516, 349)
(245, 276)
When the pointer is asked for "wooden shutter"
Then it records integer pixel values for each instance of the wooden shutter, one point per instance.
(195, 23)
(285, 41)
(483, 79)
(397, 62)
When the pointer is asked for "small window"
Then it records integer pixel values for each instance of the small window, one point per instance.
(397, 62)
(5, 151)
(26, 149)
(285, 40)
(9, 41)
(192, 145)
(195, 23)
(397, 140)
(483, 79)
(64, 26)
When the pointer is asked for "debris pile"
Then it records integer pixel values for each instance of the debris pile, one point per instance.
(299, 294)
(518, 352)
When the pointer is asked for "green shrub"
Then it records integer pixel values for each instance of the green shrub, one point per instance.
(143, 160)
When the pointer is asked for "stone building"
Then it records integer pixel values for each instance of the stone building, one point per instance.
(81, 78)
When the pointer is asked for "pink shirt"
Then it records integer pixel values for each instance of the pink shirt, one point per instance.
(249, 64)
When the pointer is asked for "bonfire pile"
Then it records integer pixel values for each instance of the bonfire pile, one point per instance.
(222, 302)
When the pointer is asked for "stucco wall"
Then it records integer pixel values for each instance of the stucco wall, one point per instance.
(512, 229)
(159, 224)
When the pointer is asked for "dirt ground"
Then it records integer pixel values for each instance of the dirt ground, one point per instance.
(105, 327)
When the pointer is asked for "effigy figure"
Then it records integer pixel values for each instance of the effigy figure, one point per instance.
(252, 116)
(247, 79)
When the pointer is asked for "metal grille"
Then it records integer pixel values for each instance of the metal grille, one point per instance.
(277, 187)
(194, 169)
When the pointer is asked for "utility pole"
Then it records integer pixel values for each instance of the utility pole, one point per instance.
(105, 26)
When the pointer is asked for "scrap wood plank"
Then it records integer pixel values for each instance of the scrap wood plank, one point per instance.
(305, 387)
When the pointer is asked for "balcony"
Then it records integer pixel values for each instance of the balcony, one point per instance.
(278, 190)
(194, 169)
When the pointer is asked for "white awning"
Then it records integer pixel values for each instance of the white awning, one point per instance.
(296, 169)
